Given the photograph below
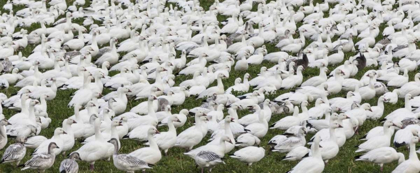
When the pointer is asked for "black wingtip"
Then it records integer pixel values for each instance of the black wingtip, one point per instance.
(272, 125)
(396, 144)
(357, 157)
(126, 136)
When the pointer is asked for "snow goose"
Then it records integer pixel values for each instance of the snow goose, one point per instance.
(398, 81)
(360, 112)
(288, 121)
(44, 146)
(260, 128)
(391, 97)
(330, 148)
(317, 80)
(294, 80)
(95, 150)
(312, 163)
(288, 141)
(83, 95)
(42, 161)
(205, 159)
(126, 162)
(193, 135)
(3, 136)
(377, 111)
(403, 136)
(382, 156)
(70, 165)
(258, 56)
(383, 140)
(150, 119)
(152, 154)
(111, 56)
(219, 89)
(68, 138)
(242, 64)
(297, 154)
(412, 164)
(249, 154)
(167, 140)
(75, 44)
(240, 87)
(247, 139)
(182, 118)
(14, 153)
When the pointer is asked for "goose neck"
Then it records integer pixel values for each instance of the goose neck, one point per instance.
(152, 142)
(413, 154)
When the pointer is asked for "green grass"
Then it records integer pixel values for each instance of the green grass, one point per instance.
(176, 160)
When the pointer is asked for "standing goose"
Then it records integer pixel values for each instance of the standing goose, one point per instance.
(381, 156)
(70, 165)
(127, 162)
(167, 140)
(413, 163)
(313, 163)
(207, 159)
(3, 136)
(150, 155)
(42, 161)
(14, 152)
(249, 154)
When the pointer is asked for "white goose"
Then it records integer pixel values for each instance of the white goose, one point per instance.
(312, 163)
(193, 135)
(382, 156)
(249, 154)
(150, 155)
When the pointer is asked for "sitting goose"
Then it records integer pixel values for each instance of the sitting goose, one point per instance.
(127, 162)
(70, 165)
(15, 152)
(42, 161)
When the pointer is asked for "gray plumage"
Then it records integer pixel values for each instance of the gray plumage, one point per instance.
(409, 121)
(208, 156)
(14, 153)
(70, 165)
(42, 161)
(127, 162)
(104, 50)
(399, 47)
(72, 54)
(384, 41)
(7, 65)
(162, 103)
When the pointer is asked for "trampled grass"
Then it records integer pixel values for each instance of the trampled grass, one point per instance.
(176, 161)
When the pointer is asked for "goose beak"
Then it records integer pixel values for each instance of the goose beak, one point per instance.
(64, 132)
(157, 132)
(74, 121)
(9, 123)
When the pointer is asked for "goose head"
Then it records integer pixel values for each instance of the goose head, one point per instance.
(52, 146)
(152, 131)
(152, 97)
(59, 131)
(70, 121)
(74, 156)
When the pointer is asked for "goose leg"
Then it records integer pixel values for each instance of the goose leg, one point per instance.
(202, 170)
(92, 166)
(382, 167)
